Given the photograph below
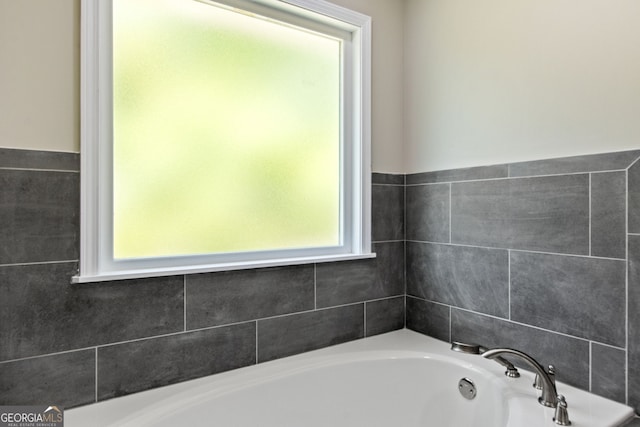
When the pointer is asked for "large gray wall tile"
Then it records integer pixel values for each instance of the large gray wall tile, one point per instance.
(579, 296)
(569, 355)
(472, 278)
(429, 318)
(387, 209)
(66, 379)
(587, 163)
(37, 159)
(41, 312)
(387, 178)
(608, 372)
(633, 309)
(384, 315)
(140, 365)
(463, 174)
(428, 212)
(235, 296)
(608, 214)
(543, 214)
(39, 216)
(634, 198)
(297, 333)
(347, 282)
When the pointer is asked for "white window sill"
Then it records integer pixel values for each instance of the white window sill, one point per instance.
(175, 271)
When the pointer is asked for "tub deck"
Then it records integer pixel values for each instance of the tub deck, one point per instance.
(397, 379)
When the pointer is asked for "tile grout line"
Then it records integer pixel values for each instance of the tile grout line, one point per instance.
(387, 185)
(404, 284)
(405, 310)
(450, 324)
(96, 376)
(590, 215)
(515, 250)
(450, 209)
(38, 356)
(526, 325)
(626, 289)
(257, 354)
(611, 346)
(509, 281)
(364, 320)
(585, 172)
(590, 366)
(277, 316)
(404, 269)
(19, 264)
(632, 164)
(7, 168)
(184, 301)
(380, 299)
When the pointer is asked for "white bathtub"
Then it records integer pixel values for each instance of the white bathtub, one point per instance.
(401, 379)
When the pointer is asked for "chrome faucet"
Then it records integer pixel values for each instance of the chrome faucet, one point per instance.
(549, 393)
(511, 372)
(544, 380)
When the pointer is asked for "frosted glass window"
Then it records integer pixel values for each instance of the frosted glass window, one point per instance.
(222, 135)
(226, 132)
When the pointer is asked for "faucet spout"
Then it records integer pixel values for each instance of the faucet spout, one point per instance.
(461, 347)
(549, 394)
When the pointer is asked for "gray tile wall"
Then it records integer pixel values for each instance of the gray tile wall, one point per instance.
(77, 344)
(543, 256)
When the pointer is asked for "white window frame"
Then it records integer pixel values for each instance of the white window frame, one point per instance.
(96, 259)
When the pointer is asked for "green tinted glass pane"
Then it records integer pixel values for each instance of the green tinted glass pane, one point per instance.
(226, 132)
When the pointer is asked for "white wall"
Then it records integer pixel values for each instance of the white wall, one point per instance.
(40, 76)
(493, 81)
(485, 81)
(387, 81)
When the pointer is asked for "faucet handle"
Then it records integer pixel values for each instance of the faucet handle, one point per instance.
(512, 372)
(562, 415)
(537, 383)
(552, 374)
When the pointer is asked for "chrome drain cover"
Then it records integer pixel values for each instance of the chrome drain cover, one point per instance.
(467, 388)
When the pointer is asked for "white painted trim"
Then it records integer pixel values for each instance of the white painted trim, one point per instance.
(302, 15)
(89, 69)
(363, 39)
(96, 134)
(158, 272)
